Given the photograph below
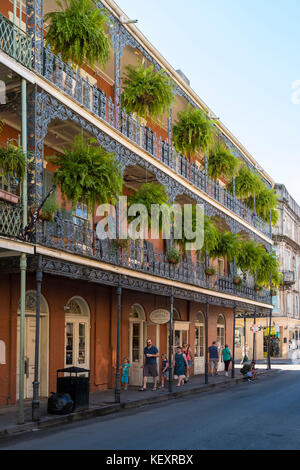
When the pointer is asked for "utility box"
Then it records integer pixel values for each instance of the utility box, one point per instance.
(78, 387)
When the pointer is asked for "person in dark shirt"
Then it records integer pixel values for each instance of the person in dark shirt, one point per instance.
(150, 364)
(213, 358)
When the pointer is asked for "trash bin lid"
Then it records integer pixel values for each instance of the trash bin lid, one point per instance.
(73, 370)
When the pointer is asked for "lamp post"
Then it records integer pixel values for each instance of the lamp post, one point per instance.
(118, 385)
(206, 343)
(233, 345)
(254, 336)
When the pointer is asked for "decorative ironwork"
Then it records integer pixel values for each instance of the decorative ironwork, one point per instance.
(15, 42)
(10, 219)
(34, 25)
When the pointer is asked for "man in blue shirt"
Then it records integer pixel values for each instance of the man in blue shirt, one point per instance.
(150, 364)
(213, 358)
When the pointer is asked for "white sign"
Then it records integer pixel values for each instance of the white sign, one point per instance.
(255, 328)
(160, 317)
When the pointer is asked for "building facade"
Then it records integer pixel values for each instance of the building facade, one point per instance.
(95, 300)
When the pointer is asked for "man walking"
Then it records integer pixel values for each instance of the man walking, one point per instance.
(150, 364)
(213, 358)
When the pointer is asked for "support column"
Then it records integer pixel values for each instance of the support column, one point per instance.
(118, 46)
(233, 344)
(23, 265)
(34, 26)
(170, 135)
(245, 334)
(254, 337)
(269, 341)
(36, 383)
(118, 384)
(206, 343)
(171, 343)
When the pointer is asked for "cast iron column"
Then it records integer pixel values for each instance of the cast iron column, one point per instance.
(206, 343)
(233, 344)
(171, 343)
(35, 400)
(118, 385)
(254, 336)
(269, 341)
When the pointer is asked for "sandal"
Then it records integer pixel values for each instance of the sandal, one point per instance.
(142, 389)
(154, 389)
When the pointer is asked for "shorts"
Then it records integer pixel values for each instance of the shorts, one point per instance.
(150, 370)
(124, 379)
(189, 363)
(214, 363)
(165, 374)
(249, 374)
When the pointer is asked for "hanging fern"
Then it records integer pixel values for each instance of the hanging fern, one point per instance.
(147, 93)
(269, 267)
(147, 195)
(87, 173)
(248, 256)
(247, 183)
(211, 236)
(227, 246)
(221, 162)
(78, 32)
(12, 161)
(265, 201)
(193, 131)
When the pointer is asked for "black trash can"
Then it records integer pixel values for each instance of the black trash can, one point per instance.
(78, 387)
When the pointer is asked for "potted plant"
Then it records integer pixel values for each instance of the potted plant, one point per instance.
(87, 174)
(273, 292)
(210, 271)
(221, 163)
(248, 256)
(238, 281)
(226, 247)
(193, 131)
(121, 243)
(265, 202)
(268, 269)
(78, 32)
(173, 255)
(257, 288)
(12, 166)
(147, 93)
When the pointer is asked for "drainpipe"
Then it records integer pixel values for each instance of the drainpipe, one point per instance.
(23, 261)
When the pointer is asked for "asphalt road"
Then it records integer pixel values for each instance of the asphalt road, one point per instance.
(261, 415)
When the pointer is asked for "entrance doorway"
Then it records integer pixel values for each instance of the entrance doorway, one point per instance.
(221, 335)
(199, 361)
(137, 335)
(29, 346)
(77, 333)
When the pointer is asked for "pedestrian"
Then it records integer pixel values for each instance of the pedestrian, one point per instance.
(213, 358)
(186, 349)
(164, 370)
(125, 373)
(150, 365)
(248, 370)
(226, 358)
(180, 365)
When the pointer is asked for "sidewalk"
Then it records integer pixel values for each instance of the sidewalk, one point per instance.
(102, 403)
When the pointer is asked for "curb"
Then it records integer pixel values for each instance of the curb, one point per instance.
(52, 421)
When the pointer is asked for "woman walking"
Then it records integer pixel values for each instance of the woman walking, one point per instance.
(226, 358)
(186, 349)
(180, 364)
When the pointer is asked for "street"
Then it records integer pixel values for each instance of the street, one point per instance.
(261, 415)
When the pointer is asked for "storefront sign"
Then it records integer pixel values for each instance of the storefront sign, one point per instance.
(160, 317)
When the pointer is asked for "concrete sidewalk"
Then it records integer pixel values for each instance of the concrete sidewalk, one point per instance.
(102, 403)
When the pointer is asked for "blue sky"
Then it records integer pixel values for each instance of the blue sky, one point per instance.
(242, 57)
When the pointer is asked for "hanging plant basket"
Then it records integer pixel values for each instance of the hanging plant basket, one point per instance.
(257, 288)
(121, 243)
(274, 292)
(173, 256)
(210, 271)
(237, 281)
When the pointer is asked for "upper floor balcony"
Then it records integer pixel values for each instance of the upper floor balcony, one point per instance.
(144, 135)
(289, 278)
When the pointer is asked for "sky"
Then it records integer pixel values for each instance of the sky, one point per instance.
(242, 58)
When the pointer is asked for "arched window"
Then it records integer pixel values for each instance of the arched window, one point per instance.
(77, 345)
(176, 315)
(199, 335)
(221, 331)
(137, 312)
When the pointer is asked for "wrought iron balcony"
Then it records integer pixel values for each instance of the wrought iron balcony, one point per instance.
(10, 219)
(69, 81)
(289, 277)
(67, 236)
(15, 42)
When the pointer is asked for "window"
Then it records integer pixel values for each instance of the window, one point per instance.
(287, 261)
(296, 305)
(295, 268)
(199, 335)
(221, 331)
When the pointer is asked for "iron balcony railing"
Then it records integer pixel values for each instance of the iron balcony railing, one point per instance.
(71, 82)
(15, 42)
(67, 235)
(10, 219)
(289, 277)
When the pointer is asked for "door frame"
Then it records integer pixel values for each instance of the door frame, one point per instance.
(79, 318)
